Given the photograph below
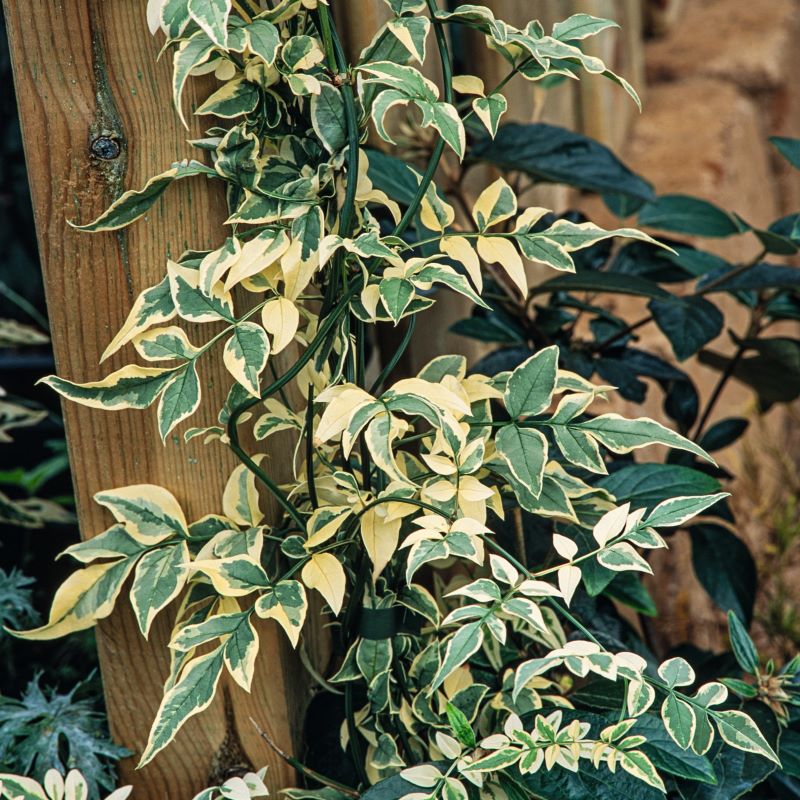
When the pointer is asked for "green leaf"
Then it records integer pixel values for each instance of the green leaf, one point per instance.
(668, 757)
(647, 485)
(396, 294)
(328, 118)
(739, 731)
(679, 720)
(464, 643)
(212, 17)
(557, 155)
(530, 387)
(241, 649)
(287, 604)
(622, 435)
(113, 543)
(773, 372)
(579, 26)
(192, 53)
(191, 302)
(460, 725)
(683, 214)
(490, 110)
(678, 510)
(180, 399)
(759, 276)
(688, 322)
(587, 784)
(525, 452)
(743, 648)
(130, 387)
(233, 99)
(614, 282)
(192, 694)
(789, 148)
(725, 568)
(159, 576)
(265, 40)
(246, 354)
(723, 433)
(136, 202)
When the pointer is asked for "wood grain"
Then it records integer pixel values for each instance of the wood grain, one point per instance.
(85, 68)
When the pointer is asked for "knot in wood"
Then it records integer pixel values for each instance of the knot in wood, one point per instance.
(106, 148)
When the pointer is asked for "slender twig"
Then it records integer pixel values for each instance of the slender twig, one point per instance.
(302, 768)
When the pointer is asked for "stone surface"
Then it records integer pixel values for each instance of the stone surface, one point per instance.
(740, 41)
(751, 45)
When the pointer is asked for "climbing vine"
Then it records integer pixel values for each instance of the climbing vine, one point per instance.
(456, 651)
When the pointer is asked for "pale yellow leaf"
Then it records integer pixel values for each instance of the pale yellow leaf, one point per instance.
(324, 573)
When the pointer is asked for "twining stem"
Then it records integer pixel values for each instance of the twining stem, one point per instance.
(302, 768)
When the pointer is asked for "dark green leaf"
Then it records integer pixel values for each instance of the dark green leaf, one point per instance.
(556, 155)
(725, 568)
(647, 485)
(742, 645)
(614, 282)
(723, 433)
(789, 148)
(684, 214)
(688, 323)
(774, 372)
(759, 276)
(667, 756)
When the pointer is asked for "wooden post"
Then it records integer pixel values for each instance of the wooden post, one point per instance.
(97, 118)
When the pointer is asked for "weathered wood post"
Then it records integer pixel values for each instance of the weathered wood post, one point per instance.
(97, 118)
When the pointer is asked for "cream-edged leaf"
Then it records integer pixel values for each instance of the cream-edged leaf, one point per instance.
(153, 306)
(245, 355)
(280, 318)
(130, 387)
(325, 573)
(569, 579)
(499, 250)
(496, 203)
(240, 498)
(190, 695)
(159, 577)
(179, 400)
(149, 513)
(88, 595)
(287, 604)
(239, 654)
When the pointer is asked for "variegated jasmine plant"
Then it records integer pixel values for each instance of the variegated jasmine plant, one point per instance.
(457, 652)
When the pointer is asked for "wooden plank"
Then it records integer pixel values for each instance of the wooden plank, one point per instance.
(85, 69)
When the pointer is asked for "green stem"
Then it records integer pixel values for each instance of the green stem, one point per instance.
(397, 355)
(312, 489)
